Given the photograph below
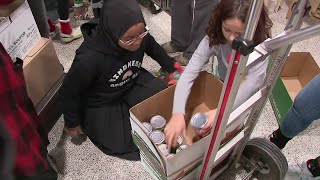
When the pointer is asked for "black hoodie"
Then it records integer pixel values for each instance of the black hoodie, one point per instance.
(102, 71)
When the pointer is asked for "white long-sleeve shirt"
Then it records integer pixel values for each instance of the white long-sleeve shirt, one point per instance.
(200, 58)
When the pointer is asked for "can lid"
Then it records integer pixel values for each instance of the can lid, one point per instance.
(162, 147)
(169, 156)
(183, 147)
(147, 126)
(158, 122)
(157, 137)
(199, 120)
(180, 140)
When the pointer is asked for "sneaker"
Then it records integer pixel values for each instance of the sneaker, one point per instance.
(308, 171)
(181, 59)
(169, 47)
(68, 34)
(76, 34)
(278, 139)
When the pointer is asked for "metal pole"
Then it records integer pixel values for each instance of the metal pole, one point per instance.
(292, 37)
(230, 90)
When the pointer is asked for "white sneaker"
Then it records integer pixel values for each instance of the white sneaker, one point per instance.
(76, 34)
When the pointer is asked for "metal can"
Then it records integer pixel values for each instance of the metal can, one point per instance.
(158, 122)
(157, 137)
(147, 126)
(183, 147)
(198, 121)
(180, 140)
(169, 156)
(164, 149)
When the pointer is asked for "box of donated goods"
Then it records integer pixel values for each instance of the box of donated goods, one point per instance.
(185, 160)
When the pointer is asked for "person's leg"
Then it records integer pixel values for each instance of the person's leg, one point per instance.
(305, 110)
(40, 15)
(96, 7)
(202, 12)
(181, 22)
(67, 34)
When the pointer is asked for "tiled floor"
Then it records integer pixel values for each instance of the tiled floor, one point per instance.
(86, 162)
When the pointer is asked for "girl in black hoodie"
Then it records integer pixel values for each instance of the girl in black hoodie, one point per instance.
(106, 78)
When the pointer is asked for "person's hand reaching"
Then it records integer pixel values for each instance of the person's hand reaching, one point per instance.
(207, 128)
(175, 128)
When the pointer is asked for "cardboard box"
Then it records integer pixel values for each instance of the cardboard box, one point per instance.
(19, 32)
(299, 69)
(41, 69)
(204, 95)
(6, 10)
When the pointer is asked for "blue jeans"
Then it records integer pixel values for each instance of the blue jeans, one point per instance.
(305, 109)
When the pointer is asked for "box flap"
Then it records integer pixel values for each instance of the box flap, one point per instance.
(37, 48)
(309, 70)
(294, 64)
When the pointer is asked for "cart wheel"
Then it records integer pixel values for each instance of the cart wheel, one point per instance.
(268, 156)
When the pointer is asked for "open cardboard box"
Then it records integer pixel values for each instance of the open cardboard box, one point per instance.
(299, 69)
(204, 95)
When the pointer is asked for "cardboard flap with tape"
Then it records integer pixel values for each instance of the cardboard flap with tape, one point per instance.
(41, 69)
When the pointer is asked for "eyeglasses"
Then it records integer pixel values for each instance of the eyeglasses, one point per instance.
(131, 41)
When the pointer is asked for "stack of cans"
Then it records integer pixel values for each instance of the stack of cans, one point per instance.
(155, 131)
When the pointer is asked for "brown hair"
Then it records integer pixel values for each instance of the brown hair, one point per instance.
(236, 8)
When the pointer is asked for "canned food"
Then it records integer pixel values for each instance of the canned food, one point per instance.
(199, 120)
(169, 156)
(157, 137)
(180, 140)
(147, 126)
(158, 122)
(164, 149)
(183, 147)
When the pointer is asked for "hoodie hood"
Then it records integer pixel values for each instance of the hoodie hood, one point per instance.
(116, 18)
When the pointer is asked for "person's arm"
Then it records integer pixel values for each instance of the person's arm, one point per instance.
(251, 83)
(156, 52)
(176, 125)
(75, 85)
(197, 62)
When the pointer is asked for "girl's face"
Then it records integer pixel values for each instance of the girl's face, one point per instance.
(232, 28)
(132, 38)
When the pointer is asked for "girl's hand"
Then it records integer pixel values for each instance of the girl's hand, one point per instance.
(207, 128)
(74, 132)
(175, 128)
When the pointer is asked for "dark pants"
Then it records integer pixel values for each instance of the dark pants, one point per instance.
(188, 31)
(109, 126)
(40, 16)
(62, 6)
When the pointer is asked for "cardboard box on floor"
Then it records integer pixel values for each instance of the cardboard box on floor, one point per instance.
(299, 69)
(19, 32)
(204, 95)
(41, 69)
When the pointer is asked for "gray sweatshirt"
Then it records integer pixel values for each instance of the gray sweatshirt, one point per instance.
(200, 58)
